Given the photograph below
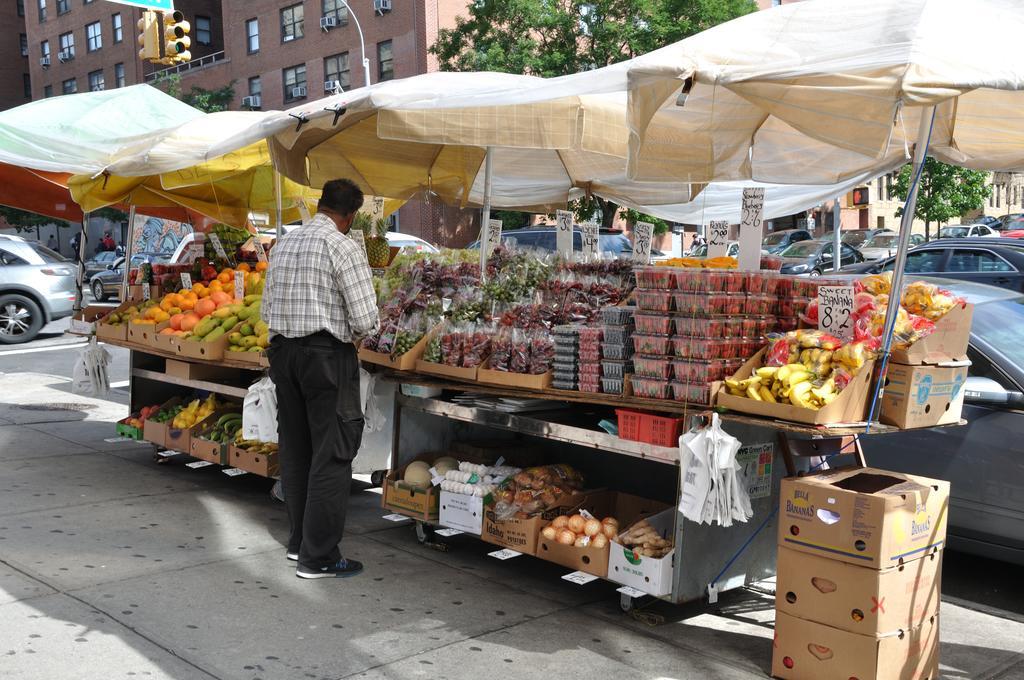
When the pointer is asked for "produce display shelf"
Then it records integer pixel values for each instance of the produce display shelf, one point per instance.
(541, 425)
(206, 385)
(148, 349)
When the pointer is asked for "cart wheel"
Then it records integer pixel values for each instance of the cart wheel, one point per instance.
(627, 603)
(424, 533)
(377, 477)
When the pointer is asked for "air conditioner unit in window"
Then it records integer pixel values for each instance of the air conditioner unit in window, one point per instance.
(44, 62)
(252, 101)
(327, 23)
(333, 86)
(65, 56)
(298, 92)
(381, 6)
(97, 88)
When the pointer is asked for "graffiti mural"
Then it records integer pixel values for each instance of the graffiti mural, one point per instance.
(157, 235)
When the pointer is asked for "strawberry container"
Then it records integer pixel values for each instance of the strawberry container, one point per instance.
(702, 370)
(617, 316)
(618, 335)
(657, 278)
(708, 327)
(653, 324)
(709, 304)
(590, 384)
(652, 345)
(651, 388)
(748, 347)
(784, 324)
(757, 304)
(610, 350)
(794, 306)
(654, 300)
(756, 326)
(652, 367)
(706, 348)
(612, 385)
(588, 368)
(616, 369)
(765, 283)
(692, 393)
(591, 354)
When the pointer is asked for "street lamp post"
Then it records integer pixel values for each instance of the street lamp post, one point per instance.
(362, 44)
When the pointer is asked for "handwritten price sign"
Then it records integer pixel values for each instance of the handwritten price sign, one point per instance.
(218, 247)
(835, 311)
(591, 241)
(493, 237)
(564, 234)
(186, 281)
(718, 238)
(751, 228)
(261, 253)
(642, 234)
(239, 284)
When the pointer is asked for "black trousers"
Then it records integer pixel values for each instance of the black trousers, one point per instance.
(320, 427)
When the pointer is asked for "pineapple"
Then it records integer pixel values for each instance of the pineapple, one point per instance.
(377, 250)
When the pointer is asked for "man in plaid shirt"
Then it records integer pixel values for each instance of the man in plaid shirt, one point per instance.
(318, 301)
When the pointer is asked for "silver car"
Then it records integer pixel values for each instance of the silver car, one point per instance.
(37, 286)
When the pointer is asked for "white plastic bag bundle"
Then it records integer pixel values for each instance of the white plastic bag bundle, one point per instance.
(89, 375)
(373, 418)
(259, 412)
(712, 489)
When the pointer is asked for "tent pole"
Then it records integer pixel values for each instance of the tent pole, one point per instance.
(128, 252)
(277, 204)
(837, 239)
(82, 249)
(485, 215)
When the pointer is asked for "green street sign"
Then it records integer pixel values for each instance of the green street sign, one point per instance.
(159, 5)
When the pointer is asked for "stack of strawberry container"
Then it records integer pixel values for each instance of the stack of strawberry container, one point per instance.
(696, 326)
(590, 359)
(616, 348)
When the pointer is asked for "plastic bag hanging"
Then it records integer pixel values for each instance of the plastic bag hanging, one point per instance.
(712, 490)
(89, 376)
(259, 412)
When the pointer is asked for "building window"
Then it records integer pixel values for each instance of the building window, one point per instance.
(385, 61)
(96, 81)
(204, 30)
(115, 21)
(63, 6)
(336, 68)
(292, 27)
(21, 8)
(47, 91)
(252, 36)
(26, 82)
(44, 49)
(24, 45)
(776, 3)
(294, 78)
(69, 86)
(42, 11)
(93, 37)
(336, 9)
(119, 75)
(67, 44)
(255, 87)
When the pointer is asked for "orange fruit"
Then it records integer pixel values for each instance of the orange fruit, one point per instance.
(244, 267)
(176, 321)
(189, 321)
(161, 316)
(165, 303)
(169, 330)
(220, 298)
(188, 303)
(215, 285)
(205, 307)
(226, 275)
(261, 266)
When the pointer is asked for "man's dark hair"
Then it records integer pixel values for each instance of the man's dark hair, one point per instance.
(342, 196)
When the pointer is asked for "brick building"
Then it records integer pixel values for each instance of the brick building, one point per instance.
(15, 88)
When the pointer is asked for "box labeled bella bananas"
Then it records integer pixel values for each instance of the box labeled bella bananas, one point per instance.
(849, 406)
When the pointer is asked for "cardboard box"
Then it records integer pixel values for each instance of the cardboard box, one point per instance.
(415, 503)
(804, 650)
(623, 507)
(142, 333)
(849, 407)
(873, 518)
(524, 380)
(257, 359)
(265, 465)
(405, 362)
(522, 534)
(208, 351)
(206, 449)
(114, 334)
(166, 343)
(84, 322)
(465, 513)
(446, 371)
(875, 602)
(652, 575)
(156, 433)
(948, 342)
(135, 292)
(924, 395)
(189, 370)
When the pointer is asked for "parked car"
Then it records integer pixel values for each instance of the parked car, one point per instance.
(732, 250)
(37, 286)
(884, 245)
(107, 283)
(410, 243)
(855, 238)
(99, 262)
(777, 241)
(968, 231)
(1005, 221)
(995, 262)
(612, 242)
(984, 459)
(1014, 228)
(994, 222)
(814, 258)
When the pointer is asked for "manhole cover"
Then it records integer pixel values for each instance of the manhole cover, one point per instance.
(56, 407)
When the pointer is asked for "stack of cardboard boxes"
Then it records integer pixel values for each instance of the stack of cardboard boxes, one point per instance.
(858, 579)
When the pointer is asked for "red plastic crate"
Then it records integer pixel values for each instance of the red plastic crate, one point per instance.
(649, 428)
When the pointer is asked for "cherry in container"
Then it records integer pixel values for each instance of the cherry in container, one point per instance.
(652, 388)
(652, 345)
(652, 367)
(588, 368)
(653, 324)
(591, 354)
(654, 300)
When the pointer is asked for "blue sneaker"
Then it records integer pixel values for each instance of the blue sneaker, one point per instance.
(341, 569)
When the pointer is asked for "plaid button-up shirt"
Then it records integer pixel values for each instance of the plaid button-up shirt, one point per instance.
(319, 280)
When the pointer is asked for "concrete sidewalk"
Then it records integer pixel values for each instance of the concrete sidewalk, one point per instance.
(112, 566)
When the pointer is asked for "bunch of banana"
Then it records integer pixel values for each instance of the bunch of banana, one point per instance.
(794, 383)
(254, 446)
(226, 427)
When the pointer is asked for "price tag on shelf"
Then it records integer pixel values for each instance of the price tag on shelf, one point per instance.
(591, 241)
(643, 232)
(186, 280)
(563, 237)
(198, 464)
(257, 245)
(234, 472)
(448, 533)
(493, 235)
(751, 229)
(580, 578)
(504, 554)
(718, 238)
(168, 454)
(395, 517)
(629, 591)
(239, 284)
(146, 292)
(835, 311)
(218, 247)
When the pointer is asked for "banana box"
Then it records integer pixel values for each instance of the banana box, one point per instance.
(923, 396)
(872, 518)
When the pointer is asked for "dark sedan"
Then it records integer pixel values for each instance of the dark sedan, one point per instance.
(777, 241)
(100, 262)
(107, 283)
(997, 262)
(983, 460)
(814, 258)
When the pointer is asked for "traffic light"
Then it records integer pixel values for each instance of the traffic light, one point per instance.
(858, 198)
(149, 36)
(176, 37)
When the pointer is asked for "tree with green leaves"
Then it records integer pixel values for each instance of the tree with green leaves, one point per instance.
(209, 101)
(945, 192)
(558, 37)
